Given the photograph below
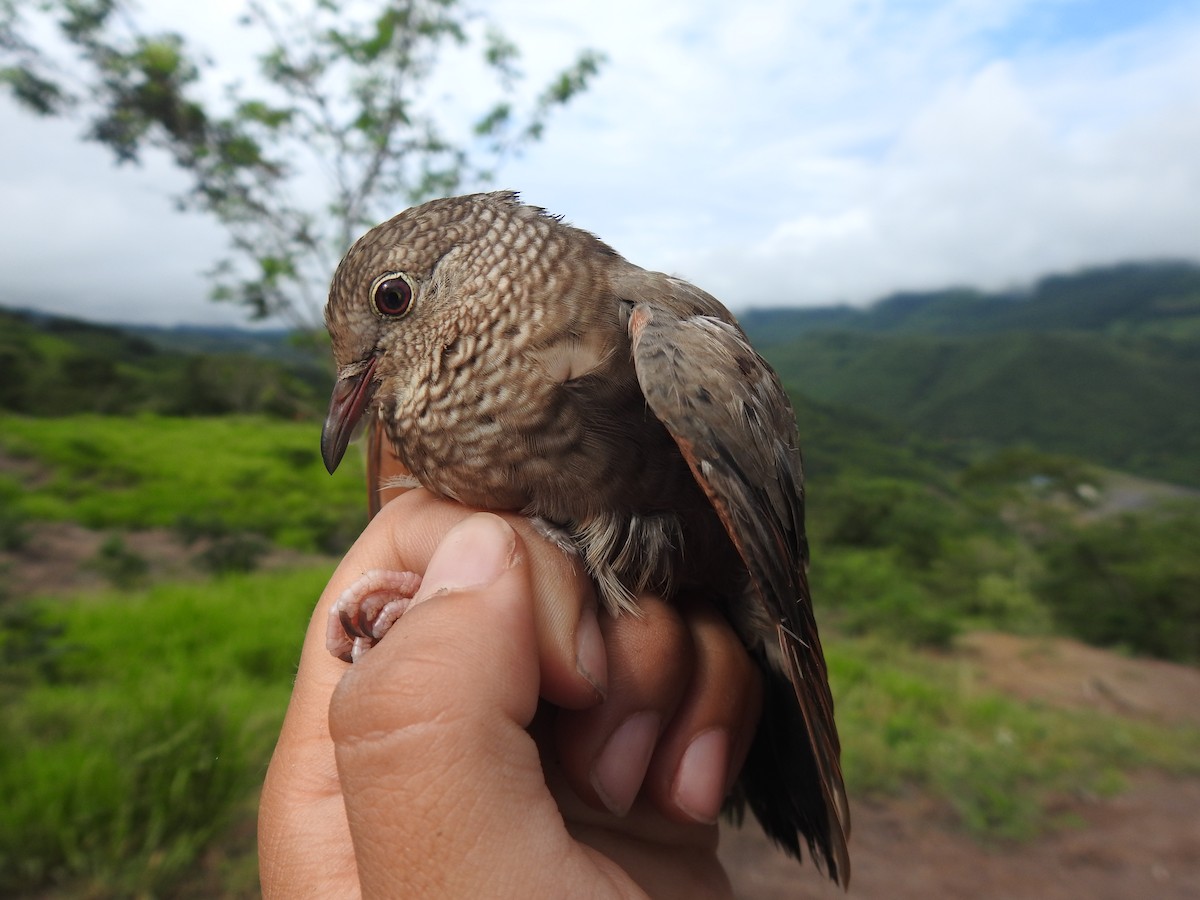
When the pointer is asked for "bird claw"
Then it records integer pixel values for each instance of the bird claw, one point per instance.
(366, 610)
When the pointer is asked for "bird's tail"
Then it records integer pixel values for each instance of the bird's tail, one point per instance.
(785, 788)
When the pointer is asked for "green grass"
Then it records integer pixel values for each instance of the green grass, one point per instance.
(248, 474)
(155, 727)
(908, 720)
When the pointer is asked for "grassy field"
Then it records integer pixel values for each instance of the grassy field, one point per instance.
(235, 473)
(142, 728)
(138, 722)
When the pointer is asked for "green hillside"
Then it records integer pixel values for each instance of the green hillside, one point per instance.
(52, 366)
(838, 441)
(1123, 403)
(1104, 365)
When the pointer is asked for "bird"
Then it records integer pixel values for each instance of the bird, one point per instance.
(514, 362)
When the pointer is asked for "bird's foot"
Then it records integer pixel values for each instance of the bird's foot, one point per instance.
(366, 610)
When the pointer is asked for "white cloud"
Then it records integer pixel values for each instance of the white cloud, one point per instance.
(80, 237)
(1002, 174)
(774, 152)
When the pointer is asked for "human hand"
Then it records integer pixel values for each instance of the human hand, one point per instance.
(428, 767)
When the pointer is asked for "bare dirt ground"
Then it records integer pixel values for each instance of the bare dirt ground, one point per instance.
(1124, 493)
(1143, 843)
(1070, 674)
(57, 558)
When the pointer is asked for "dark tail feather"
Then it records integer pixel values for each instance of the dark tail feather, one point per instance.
(783, 787)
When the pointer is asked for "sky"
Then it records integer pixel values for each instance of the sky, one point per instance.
(774, 152)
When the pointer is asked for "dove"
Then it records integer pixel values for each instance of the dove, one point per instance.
(514, 362)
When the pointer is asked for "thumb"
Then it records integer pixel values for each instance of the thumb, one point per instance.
(432, 721)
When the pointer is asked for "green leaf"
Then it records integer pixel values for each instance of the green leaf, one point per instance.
(38, 94)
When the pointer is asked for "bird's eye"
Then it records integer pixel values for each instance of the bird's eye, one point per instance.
(392, 295)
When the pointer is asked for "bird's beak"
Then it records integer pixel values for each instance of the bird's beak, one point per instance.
(351, 394)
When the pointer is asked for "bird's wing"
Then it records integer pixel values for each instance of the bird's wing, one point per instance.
(733, 423)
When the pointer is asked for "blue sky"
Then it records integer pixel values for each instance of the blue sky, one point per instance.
(1058, 22)
(774, 151)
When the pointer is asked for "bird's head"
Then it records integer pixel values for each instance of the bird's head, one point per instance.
(414, 296)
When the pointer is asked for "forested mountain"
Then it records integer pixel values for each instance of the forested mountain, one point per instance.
(1103, 364)
(53, 366)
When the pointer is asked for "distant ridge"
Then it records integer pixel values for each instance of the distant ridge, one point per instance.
(51, 365)
(1103, 364)
(271, 343)
(1136, 297)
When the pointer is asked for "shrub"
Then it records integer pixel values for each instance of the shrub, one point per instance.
(121, 566)
(14, 531)
(873, 593)
(233, 553)
(1133, 583)
(31, 646)
(908, 517)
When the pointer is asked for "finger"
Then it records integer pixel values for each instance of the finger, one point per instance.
(476, 552)
(301, 805)
(702, 749)
(605, 751)
(404, 535)
(432, 722)
(301, 794)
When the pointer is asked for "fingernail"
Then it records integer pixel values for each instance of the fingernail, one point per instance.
(619, 771)
(699, 787)
(474, 553)
(591, 659)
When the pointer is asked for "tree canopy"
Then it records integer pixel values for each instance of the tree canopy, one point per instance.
(337, 131)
